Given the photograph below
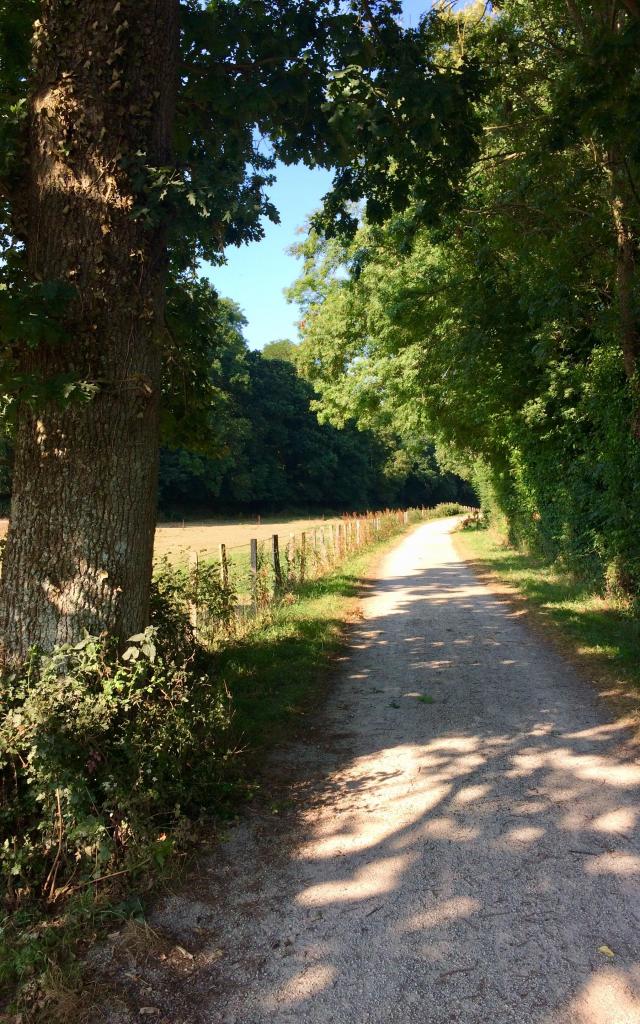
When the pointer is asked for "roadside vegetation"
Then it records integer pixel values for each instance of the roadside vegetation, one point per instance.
(509, 330)
(601, 630)
(112, 760)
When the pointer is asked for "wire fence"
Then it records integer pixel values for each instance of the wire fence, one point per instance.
(224, 595)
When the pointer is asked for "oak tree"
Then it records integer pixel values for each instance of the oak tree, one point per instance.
(138, 138)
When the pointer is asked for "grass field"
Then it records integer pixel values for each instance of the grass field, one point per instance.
(204, 537)
(177, 540)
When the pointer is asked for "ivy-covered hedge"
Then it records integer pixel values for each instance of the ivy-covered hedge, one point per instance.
(569, 486)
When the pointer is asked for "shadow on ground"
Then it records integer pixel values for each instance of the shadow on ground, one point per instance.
(457, 839)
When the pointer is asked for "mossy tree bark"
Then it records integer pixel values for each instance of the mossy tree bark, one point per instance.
(80, 542)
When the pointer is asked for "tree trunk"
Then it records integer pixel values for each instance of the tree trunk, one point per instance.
(80, 543)
(627, 283)
(627, 248)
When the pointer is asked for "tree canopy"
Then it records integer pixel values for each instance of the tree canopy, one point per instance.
(510, 328)
(139, 138)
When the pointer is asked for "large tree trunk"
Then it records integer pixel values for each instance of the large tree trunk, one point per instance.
(627, 278)
(80, 542)
(626, 281)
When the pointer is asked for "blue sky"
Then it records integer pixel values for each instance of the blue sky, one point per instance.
(256, 274)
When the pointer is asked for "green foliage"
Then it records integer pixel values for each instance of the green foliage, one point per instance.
(240, 430)
(604, 633)
(285, 350)
(339, 86)
(343, 86)
(499, 332)
(179, 589)
(100, 752)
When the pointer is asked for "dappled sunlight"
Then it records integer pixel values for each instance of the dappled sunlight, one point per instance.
(469, 794)
(307, 983)
(605, 731)
(523, 835)
(375, 878)
(434, 664)
(622, 819)
(445, 911)
(585, 767)
(610, 997)
(615, 864)
(517, 800)
(449, 828)
(595, 768)
(464, 850)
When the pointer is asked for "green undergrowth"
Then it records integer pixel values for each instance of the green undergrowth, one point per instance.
(112, 762)
(275, 674)
(600, 627)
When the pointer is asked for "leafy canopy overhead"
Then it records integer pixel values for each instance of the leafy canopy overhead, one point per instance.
(499, 329)
(338, 85)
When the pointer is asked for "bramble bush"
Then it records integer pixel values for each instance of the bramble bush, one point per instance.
(180, 588)
(102, 750)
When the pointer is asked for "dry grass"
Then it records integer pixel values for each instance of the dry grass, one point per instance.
(176, 539)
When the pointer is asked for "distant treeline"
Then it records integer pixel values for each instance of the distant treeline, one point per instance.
(241, 433)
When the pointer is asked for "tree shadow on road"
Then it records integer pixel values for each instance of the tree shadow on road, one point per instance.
(472, 859)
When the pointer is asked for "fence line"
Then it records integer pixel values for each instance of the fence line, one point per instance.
(226, 593)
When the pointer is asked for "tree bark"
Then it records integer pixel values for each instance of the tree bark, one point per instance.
(626, 254)
(80, 543)
(627, 282)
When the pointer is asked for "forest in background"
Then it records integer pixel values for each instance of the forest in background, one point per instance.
(241, 436)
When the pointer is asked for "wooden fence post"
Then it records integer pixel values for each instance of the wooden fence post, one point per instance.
(224, 567)
(253, 557)
(193, 604)
(277, 569)
(303, 555)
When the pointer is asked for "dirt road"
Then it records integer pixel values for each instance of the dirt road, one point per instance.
(461, 845)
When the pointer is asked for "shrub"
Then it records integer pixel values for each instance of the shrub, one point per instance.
(181, 590)
(100, 751)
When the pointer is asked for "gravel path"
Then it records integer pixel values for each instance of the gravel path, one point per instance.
(461, 843)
